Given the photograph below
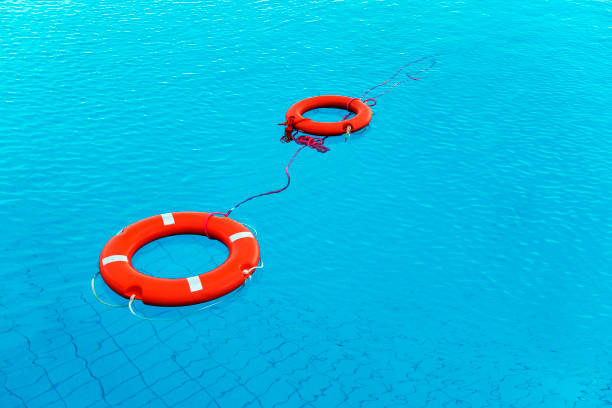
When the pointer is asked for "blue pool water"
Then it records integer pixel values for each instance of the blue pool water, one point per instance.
(457, 253)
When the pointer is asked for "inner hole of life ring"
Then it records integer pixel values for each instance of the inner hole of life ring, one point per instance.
(327, 114)
(180, 256)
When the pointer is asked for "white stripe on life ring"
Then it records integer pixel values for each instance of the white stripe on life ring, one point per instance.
(168, 219)
(114, 258)
(238, 235)
(195, 283)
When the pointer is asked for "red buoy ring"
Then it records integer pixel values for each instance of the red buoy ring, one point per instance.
(296, 120)
(119, 274)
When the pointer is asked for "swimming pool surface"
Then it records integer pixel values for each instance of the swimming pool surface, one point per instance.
(455, 254)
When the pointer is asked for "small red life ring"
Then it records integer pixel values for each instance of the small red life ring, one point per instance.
(119, 274)
(296, 120)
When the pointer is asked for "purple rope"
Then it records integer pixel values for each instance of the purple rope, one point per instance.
(226, 214)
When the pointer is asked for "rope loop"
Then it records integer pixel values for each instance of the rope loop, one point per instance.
(208, 218)
(312, 142)
(93, 289)
(348, 106)
(248, 271)
(290, 131)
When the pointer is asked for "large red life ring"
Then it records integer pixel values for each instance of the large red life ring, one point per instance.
(296, 120)
(119, 274)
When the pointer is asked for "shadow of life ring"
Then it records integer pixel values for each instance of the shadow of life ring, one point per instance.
(116, 260)
(296, 120)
